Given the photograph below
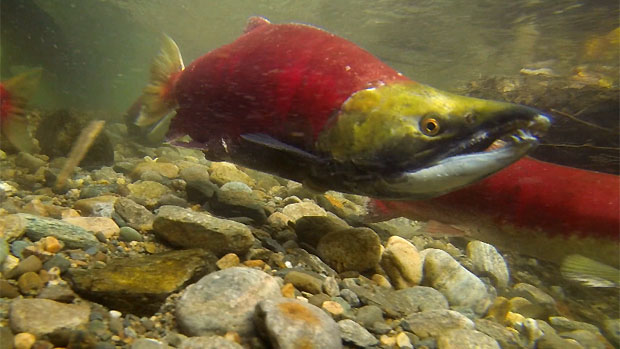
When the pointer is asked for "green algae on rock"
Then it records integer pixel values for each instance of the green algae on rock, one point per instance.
(141, 284)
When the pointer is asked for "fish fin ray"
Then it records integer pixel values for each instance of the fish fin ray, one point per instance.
(158, 97)
(268, 142)
(255, 22)
(589, 272)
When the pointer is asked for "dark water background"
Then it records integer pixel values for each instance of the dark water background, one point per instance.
(96, 53)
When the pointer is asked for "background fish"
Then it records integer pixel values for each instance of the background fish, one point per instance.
(537, 208)
(14, 95)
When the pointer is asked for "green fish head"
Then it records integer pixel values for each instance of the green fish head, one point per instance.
(423, 136)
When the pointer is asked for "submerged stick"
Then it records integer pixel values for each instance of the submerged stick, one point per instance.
(79, 150)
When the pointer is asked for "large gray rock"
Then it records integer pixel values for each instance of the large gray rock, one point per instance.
(72, 236)
(186, 228)
(44, 316)
(224, 301)
(291, 324)
(457, 284)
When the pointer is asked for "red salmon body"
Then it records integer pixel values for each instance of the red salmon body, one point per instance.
(542, 209)
(285, 80)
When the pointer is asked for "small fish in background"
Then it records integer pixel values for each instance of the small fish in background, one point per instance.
(296, 101)
(14, 96)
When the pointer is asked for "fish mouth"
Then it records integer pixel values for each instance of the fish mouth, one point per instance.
(481, 155)
(508, 134)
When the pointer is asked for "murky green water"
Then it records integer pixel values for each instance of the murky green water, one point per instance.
(96, 53)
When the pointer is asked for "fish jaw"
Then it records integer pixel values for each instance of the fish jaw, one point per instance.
(416, 142)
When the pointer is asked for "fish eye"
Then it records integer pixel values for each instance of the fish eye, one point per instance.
(430, 126)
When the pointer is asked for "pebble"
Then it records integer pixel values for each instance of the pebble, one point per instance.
(402, 263)
(136, 215)
(310, 229)
(403, 227)
(229, 260)
(189, 229)
(29, 283)
(291, 324)
(368, 315)
(105, 225)
(457, 284)
(164, 169)
(129, 234)
(350, 297)
(60, 293)
(24, 340)
(71, 235)
(147, 193)
(25, 316)
(7, 337)
(432, 323)
(137, 284)
(300, 209)
(51, 244)
(224, 301)
(30, 264)
(4, 249)
(236, 186)
(330, 286)
(29, 161)
(7, 290)
(534, 295)
(355, 249)
(229, 203)
(101, 206)
(488, 262)
(587, 339)
(354, 333)
(611, 327)
(304, 281)
(18, 246)
(466, 339)
(333, 308)
(208, 342)
(422, 298)
(507, 338)
(223, 172)
(148, 343)
(57, 261)
(403, 341)
(563, 324)
(198, 186)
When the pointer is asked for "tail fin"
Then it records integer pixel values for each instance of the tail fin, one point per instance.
(157, 98)
(14, 95)
(590, 272)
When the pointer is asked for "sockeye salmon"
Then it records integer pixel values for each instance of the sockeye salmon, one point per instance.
(299, 102)
(14, 95)
(540, 209)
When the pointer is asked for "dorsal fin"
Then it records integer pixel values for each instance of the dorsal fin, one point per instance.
(255, 22)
